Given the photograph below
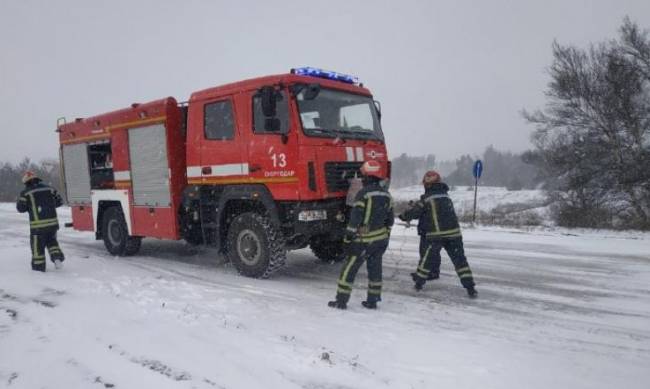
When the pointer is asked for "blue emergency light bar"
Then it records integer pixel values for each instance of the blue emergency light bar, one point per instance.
(328, 74)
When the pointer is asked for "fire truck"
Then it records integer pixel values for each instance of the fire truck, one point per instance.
(254, 168)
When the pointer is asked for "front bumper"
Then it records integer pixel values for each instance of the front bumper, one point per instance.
(306, 219)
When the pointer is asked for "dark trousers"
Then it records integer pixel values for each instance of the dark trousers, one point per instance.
(38, 243)
(429, 266)
(357, 253)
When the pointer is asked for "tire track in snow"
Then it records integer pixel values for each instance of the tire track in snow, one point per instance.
(180, 275)
(156, 366)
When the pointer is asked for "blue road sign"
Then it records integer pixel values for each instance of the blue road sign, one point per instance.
(478, 169)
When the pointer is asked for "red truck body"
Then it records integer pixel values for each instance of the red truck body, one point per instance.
(258, 146)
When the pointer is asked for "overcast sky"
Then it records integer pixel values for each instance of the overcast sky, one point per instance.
(452, 76)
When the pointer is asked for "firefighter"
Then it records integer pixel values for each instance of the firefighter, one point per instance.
(438, 228)
(366, 237)
(41, 201)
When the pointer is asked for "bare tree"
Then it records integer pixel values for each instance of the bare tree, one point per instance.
(591, 134)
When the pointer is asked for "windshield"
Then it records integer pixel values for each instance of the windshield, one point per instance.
(339, 114)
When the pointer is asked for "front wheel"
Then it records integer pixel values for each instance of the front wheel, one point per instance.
(254, 246)
(116, 234)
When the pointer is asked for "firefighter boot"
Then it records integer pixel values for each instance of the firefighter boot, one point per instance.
(419, 282)
(337, 304)
(471, 292)
(369, 304)
(432, 276)
(39, 267)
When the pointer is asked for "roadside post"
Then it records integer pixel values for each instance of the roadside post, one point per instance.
(477, 170)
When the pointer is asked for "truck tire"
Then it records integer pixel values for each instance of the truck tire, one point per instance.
(328, 250)
(254, 246)
(116, 234)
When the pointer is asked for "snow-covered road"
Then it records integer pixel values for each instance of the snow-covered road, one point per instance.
(556, 310)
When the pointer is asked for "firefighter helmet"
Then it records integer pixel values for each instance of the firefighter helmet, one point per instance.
(28, 176)
(431, 177)
(371, 168)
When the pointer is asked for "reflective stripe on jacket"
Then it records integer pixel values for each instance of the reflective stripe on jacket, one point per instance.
(435, 213)
(40, 202)
(372, 215)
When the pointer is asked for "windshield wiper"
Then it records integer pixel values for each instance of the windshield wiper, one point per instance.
(342, 131)
(320, 130)
(364, 133)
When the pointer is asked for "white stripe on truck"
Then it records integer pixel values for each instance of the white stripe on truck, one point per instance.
(359, 154)
(229, 169)
(122, 176)
(349, 153)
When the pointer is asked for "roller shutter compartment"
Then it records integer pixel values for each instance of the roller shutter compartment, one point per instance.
(149, 166)
(77, 175)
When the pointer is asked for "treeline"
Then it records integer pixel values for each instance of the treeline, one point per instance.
(407, 170)
(500, 168)
(11, 176)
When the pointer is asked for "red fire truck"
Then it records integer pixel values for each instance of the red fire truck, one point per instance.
(255, 168)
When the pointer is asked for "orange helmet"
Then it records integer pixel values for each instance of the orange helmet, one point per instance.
(371, 168)
(431, 177)
(28, 176)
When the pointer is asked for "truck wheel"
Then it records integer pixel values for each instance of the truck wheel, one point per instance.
(116, 235)
(328, 250)
(254, 246)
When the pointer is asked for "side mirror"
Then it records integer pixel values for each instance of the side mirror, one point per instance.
(296, 88)
(272, 124)
(378, 108)
(268, 96)
(312, 91)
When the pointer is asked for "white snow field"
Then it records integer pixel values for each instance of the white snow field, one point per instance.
(556, 309)
(488, 198)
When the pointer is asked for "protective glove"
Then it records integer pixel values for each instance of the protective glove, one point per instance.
(349, 236)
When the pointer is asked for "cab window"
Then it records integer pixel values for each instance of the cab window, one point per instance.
(219, 123)
(282, 114)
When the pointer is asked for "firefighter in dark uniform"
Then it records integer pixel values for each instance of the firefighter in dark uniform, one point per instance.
(41, 201)
(366, 237)
(438, 228)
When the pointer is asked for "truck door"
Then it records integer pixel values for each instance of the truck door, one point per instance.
(272, 147)
(220, 146)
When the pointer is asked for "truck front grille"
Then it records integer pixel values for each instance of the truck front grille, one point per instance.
(337, 175)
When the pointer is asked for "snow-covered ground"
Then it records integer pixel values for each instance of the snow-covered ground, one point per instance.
(488, 198)
(556, 310)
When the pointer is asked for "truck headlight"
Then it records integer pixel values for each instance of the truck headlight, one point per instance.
(312, 215)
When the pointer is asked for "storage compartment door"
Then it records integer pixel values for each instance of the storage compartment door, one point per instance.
(77, 174)
(149, 166)
(152, 212)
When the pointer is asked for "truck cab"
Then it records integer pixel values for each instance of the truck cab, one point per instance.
(284, 147)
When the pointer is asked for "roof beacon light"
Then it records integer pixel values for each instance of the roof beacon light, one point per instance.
(328, 74)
